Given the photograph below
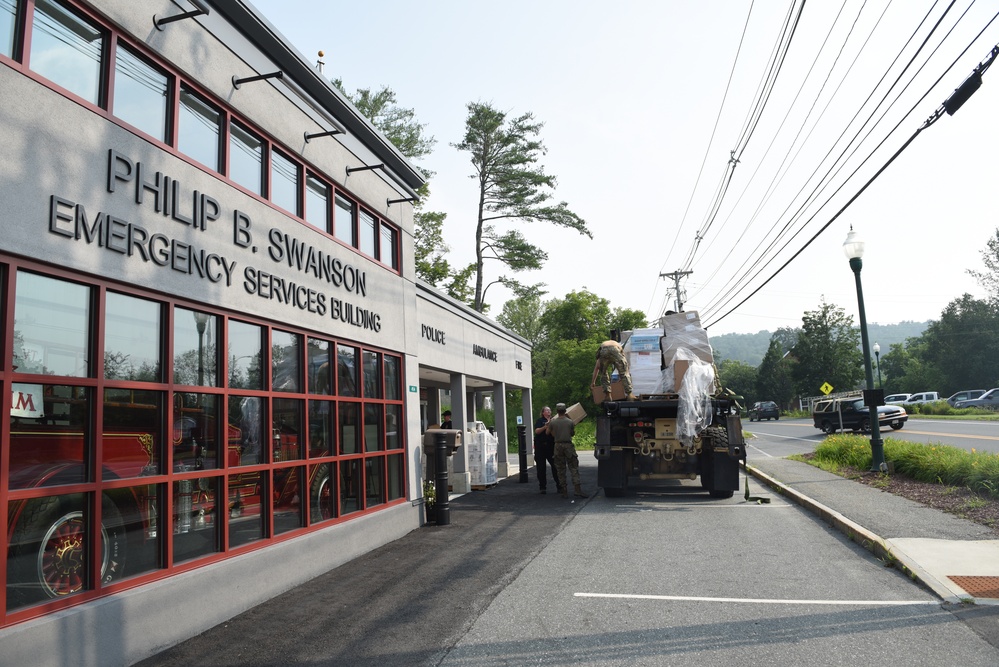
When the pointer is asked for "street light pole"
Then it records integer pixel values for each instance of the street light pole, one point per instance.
(877, 358)
(853, 248)
(201, 322)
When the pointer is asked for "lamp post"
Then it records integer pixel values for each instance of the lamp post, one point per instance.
(853, 248)
(877, 359)
(201, 321)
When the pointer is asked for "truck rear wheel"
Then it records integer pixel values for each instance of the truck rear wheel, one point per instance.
(717, 493)
(48, 555)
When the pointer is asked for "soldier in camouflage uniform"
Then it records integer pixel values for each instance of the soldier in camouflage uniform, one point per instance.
(611, 354)
(562, 429)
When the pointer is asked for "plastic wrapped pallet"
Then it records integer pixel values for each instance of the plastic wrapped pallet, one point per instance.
(644, 359)
(683, 330)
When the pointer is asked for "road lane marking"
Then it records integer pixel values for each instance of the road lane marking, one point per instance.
(953, 435)
(683, 598)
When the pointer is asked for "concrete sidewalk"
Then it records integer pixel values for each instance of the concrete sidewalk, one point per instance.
(956, 558)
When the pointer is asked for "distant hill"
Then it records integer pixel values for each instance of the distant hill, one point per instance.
(750, 348)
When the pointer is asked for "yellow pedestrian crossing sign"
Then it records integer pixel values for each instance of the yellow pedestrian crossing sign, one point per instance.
(826, 388)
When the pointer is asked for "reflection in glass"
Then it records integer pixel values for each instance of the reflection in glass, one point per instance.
(246, 414)
(131, 339)
(322, 496)
(287, 505)
(286, 433)
(367, 234)
(51, 326)
(346, 366)
(49, 554)
(284, 182)
(372, 375)
(396, 477)
(286, 361)
(144, 542)
(350, 486)
(140, 94)
(387, 249)
(317, 203)
(196, 522)
(372, 427)
(132, 442)
(198, 129)
(374, 488)
(322, 441)
(194, 348)
(320, 380)
(343, 224)
(348, 428)
(195, 434)
(66, 50)
(246, 518)
(245, 356)
(49, 430)
(8, 25)
(246, 158)
(393, 417)
(393, 391)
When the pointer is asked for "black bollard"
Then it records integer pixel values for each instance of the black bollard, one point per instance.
(441, 506)
(522, 452)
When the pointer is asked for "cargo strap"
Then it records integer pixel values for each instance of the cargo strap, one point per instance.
(757, 499)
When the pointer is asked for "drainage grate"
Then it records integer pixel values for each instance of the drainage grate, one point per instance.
(979, 587)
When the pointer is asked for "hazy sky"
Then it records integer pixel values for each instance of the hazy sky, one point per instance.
(631, 94)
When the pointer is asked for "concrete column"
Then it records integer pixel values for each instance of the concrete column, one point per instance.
(461, 478)
(499, 410)
(528, 415)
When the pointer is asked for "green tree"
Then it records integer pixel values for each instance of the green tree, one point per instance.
(512, 187)
(522, 314)
(741, 378)
(893, 365)
(579, 316)
(989, 279)
(398, 124)
(774, 381)
(626, 319)
(961, 348)
(828, 351)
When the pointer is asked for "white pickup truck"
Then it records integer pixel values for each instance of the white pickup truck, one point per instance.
(923, 397)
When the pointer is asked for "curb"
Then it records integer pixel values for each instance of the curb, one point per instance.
(861, 536)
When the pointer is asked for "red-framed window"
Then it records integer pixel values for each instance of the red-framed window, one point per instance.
(147, 436)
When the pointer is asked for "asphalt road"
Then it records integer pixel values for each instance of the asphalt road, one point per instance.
(978, 435)
(665, 576)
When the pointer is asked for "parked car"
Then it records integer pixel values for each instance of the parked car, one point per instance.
(896, 399)
(989, 400)
(964, 395)
(923, 397)
(850, 413)
(764, 410)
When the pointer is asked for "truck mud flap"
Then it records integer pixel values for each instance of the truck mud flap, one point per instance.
(725, 471)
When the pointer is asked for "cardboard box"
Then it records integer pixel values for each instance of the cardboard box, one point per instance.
(576, 413)
(617, 392)
(679, 368)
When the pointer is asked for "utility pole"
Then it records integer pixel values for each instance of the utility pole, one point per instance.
(676, 275)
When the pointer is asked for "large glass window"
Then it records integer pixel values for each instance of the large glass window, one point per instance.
(195, 360)
(349, 431)
(246, 415)
(132, 348)
(286, 429)
(67, 50)
(133, 433)
(387, 249)
(287, 503)
(195, 435)
(8, 27)
(246, 158)
(350, 486)
(347, 367)
(51, 326)
(320, 378)
(344, 222)
(245, 356)
(372, 427)
(198, 129)
(396, 477)
(373, 481)
(196, 518)
(372, 375)
(49, 430)
(140, 94)
(317, 203)
(322, 492)
(366, 230)
(393, 420)
(247, 516)
(284, 182)
(392, 378)
(286, 361)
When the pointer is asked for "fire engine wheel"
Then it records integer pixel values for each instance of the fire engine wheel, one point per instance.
(50, 552)
(322, 500)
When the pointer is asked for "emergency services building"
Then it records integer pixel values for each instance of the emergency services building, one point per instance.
(217, 361)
